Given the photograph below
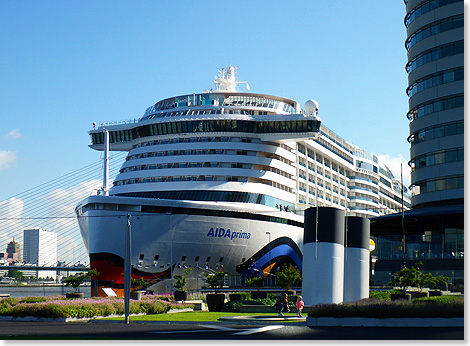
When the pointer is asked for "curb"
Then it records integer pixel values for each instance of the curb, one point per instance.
(57, 319)
(384, 322)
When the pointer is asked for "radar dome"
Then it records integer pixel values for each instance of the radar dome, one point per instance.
(311, 106)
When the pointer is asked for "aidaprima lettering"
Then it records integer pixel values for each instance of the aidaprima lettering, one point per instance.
(226, 233)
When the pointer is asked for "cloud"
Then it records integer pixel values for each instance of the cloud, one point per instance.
(52, 210)
(10, 210)
(13, 134)
(7, 158)
(62, 202)
(394, 163)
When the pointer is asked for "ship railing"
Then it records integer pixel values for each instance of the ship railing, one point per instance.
(119, 122)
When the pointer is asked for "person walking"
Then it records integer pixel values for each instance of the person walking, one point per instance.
(299, 304)
(284, 305)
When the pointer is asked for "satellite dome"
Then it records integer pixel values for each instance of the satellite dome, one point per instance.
(311, 106)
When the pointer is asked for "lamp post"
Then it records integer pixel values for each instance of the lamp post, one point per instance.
(269, 251)
(127, 270)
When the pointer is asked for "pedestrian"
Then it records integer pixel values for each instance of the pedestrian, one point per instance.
(299, 304)
(283, 305)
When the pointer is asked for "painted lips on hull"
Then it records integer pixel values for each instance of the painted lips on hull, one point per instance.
(111, 273)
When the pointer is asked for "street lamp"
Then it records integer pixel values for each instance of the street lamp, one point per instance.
(269, 251)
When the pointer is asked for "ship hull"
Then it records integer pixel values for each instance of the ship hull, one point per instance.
(169, 236)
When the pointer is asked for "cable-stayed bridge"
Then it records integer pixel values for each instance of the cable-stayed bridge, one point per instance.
(51, 207)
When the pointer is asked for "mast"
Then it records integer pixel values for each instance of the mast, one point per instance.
(106, 164)
(226, 80)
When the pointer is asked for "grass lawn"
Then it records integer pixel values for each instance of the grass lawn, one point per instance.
(195, 316)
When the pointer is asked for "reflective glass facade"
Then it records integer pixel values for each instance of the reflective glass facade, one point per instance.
(425, 7)
(436, 100)
(200, 126)
(435, 29)
(211, 195)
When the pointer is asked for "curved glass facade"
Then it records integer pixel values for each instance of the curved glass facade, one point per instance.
(437, 157)
(436, 105)
(437, 131)
(194, 211)
(434, 54)
(434, 29)
(425, 7)
(215, 100)
(216, 196)
(436, 97)
(436, 79)
(439, 184)
(199, 126)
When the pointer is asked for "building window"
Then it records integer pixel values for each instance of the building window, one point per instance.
(436, 105)
(435, 54)
(448, 76)
(437, 157)
(432, 185)
(434, 29)
(425, 7)
(433, 132)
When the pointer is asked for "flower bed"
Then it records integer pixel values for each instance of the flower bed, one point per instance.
(375, 308)
(58, 306)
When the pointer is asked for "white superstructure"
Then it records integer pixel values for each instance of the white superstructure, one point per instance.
(220, 179)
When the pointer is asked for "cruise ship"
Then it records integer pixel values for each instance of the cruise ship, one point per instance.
(218, 181)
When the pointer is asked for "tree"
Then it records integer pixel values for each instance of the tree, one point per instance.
(16, 274)
(139, 283)
(412, 277)
(288, 276)
(181, 279)
(76, 281)
(407, 277)
(215, 280)
(255, 282)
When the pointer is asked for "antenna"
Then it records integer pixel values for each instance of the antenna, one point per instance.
(225, 81)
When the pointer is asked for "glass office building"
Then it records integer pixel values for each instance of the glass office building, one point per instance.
(432, 232)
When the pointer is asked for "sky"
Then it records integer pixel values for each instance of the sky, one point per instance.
(67, 64)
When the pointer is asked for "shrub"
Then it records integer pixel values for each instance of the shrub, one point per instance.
(215, 280)
(288, 276)
(180, 283)
(239, 296)
(413, 277)
(384, 295)
(440, 300)
(385, 309)
(234, 306)
(255, 282)
(33, 299)
(54, 307)
(76, 281)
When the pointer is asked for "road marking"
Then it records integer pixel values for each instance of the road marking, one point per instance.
(215, 328)
(182, 331)
(221, 328)
(258, 330)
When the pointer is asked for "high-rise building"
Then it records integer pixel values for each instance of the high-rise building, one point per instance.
(13, 251)
(40, 248)
(435, 46)
(432, 232)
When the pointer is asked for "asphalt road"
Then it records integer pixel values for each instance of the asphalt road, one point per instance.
(214, 331)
